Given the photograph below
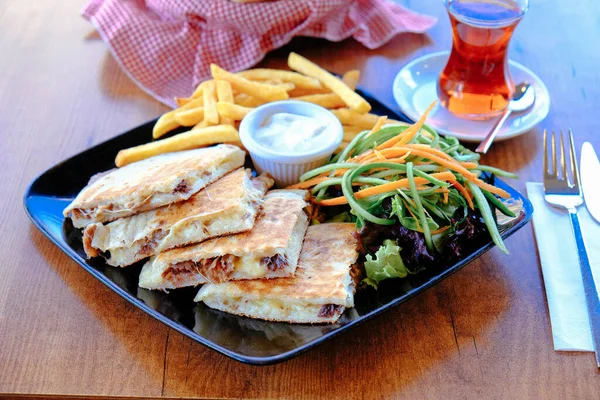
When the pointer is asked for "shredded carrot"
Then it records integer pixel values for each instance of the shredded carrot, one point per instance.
(446, 197)
(309, 183)
(465, 193)
(440, 230)
(469, 165)
(386, 187)
(399, 160)
(379, 156)
(378, 125)
(360, 157)
(491, 188)
(431, 150)
(452, 165)
(408, 133)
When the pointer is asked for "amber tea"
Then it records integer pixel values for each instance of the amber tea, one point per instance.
(476, 82)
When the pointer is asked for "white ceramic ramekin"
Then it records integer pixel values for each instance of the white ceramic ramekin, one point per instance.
(287, 168)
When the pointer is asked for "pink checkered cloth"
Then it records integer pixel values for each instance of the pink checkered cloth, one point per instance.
(166, 46)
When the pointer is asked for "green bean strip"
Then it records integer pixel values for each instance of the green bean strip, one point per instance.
(498, 203)
(433, 208)
(451, 140)
(486, 213)
(467, 157)
(436, 137)
(352, 144)
(419, 170)
(426, 168)
(338, 181)
(356, 207)
(344, 154)
(419, 206)
(384, 174)
(450, 149)
(377, 165)
(327, 168)
(425, 192)
(497, 171)
(379, 137)
(430, 178)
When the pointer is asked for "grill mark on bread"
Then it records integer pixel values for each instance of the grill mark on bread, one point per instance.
(329, 310)
(274, 263)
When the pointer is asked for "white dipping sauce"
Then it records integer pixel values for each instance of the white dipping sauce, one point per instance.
(291, 133)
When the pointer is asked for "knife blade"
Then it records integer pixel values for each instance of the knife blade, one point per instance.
(590, 172)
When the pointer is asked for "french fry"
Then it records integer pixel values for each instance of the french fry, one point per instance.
(243, 99)
(308, 92)
(190, 117)
(351, 131)
(351, 98)
(351, 78)
(224, 94)
(270, 81)
(209, 94)
(233, 111)
(184, 141)
(363, 121)
(254, 89)
(193, 103)
(265, 74)
(165, 124)
(200, 125)
(351, 117)
(182, 101)
(198, 92)
(287, 86)
(329, 100)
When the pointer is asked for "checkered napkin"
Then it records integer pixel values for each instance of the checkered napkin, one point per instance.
(166, 46)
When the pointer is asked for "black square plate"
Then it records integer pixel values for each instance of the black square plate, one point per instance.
(243, 339)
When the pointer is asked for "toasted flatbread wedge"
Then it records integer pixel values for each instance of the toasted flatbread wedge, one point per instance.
(269, 250)
(151, 183)
(322, 287)
(227, 206)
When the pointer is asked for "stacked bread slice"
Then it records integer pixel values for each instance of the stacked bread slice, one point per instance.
(200, 218)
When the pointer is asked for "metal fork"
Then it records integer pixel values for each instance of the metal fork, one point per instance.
(564, 191)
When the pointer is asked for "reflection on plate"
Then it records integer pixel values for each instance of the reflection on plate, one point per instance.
(415, 88)
(255, 337)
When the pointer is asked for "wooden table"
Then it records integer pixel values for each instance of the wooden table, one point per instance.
(482, 333)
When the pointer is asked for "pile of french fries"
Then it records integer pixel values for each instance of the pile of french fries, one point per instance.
(216, 107)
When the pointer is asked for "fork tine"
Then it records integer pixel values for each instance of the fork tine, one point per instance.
(574, 168)
(554, 169)
(563, 163)
(545, 153)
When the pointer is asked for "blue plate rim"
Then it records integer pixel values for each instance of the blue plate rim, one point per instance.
(273, 359)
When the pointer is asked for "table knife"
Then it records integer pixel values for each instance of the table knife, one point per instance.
(590, 173)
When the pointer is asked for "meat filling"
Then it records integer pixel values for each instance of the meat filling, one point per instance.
(182, 187)
(150, 244)
(329, 310)
(215, 269)
(274, 263)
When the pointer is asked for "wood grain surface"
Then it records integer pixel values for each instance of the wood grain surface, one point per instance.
(482, 333)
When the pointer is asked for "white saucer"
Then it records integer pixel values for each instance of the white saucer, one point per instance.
(415, 88)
